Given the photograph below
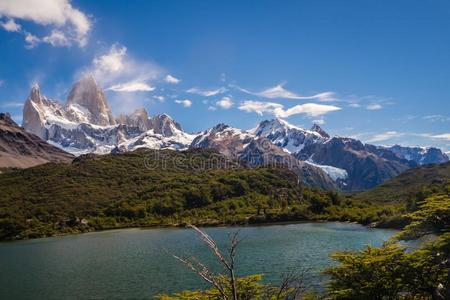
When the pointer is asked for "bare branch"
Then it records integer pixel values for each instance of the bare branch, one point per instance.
(212, 245)
(203, 272)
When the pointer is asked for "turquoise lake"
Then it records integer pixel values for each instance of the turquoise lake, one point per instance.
(135, 264)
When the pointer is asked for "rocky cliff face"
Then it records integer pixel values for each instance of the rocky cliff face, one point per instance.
(139, 118)
(21, 149)
(38, 112)
(87, 103)
(165, 125)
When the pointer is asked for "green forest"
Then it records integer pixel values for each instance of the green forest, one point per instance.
(147, 188)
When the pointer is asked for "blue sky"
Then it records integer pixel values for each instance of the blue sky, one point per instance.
(375, 70)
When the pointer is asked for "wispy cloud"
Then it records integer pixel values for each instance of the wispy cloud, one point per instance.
(159, 98)
(395, 135)
(319, 121)
(11, 104)
(374, 106)
(131, 87)
(436, 118)
(279, 91)
(354, 104)
(442, 136)
(309, 109)
(117, 71)
(207, 92)
(171, 79)
(185, 102)
(10, 25)
(31, 40)
(369, 102)
(67, 24)
(384, 136)
(225, 103)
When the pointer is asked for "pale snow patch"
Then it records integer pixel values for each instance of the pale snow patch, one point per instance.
(333, 172)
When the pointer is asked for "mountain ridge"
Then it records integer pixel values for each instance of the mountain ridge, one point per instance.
(85, 125)
(21, 149)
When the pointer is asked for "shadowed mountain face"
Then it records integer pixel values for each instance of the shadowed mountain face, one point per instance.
(253, 151)
(365, 168)
(353, 164)
(21, 149)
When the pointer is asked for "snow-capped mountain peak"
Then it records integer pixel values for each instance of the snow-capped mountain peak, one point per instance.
(88, 95)
(287, 136)
(86, 124)
(165, 125)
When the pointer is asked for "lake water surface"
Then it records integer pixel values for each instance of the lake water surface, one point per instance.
(134, 263)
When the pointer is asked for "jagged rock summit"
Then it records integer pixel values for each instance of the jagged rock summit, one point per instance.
(88, 101)
(85, 124)
(319, 130)
(287, 136)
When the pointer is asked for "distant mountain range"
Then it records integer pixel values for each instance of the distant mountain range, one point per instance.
(85, 124)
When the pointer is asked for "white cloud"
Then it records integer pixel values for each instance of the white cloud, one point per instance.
(12, 104)
(131, 87)
(116, 70)
(57, 38)
(260, 107)
(171, 79)
(10, 25)
(436, 118)
(185, 102)
(159, 98)
(443, 136)
(2, 82)
(384, 136)
(31, 40)
(309, 109)
(111, 62)
(374, 106)
(225, 103)
(279, 91)
(206, 93)
(319, 122)
(67, 23)
(213, 108)
(354, 105)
